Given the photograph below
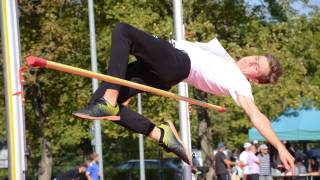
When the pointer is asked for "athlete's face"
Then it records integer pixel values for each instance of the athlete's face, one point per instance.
(254, 67)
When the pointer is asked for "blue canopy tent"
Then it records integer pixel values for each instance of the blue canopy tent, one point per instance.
(303, 125)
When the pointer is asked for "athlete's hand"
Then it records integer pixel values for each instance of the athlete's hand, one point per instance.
(286, 158)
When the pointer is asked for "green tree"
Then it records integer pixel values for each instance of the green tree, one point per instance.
(54, 30)
(246, 34)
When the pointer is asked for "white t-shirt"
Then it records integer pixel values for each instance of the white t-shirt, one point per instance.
(244, 158)
(213, 70)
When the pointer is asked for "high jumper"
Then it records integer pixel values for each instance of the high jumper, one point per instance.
(206, 66)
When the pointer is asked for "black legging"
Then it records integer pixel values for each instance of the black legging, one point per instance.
(223, 176)
(158, 64)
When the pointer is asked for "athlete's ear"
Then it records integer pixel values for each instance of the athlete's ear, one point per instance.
(253, 80)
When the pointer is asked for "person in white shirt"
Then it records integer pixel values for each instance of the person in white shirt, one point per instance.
(206, 66)
(244, 160)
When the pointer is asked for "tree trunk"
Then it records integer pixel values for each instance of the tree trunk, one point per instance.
(205, 136)
(206, 148)
(45, 164)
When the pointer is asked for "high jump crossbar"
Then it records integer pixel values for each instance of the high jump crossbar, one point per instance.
(38, 62)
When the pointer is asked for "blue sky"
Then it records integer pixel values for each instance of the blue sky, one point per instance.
(302, 9)
(297, 5)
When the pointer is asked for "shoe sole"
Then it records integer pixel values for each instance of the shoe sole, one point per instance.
(173, 129)
(109, 118)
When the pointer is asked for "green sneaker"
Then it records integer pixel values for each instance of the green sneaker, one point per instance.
(101, 109)
(172, 143)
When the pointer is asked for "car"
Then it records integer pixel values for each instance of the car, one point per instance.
(154, 169)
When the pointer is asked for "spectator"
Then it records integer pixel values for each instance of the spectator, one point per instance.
(265, 167)
(300, 168)
(243, 159)
(255, 143)
(92, 172)
(73, 174)
(313, 165)
(253, 164)
(222, 163)
(235, 170)
(290, 148)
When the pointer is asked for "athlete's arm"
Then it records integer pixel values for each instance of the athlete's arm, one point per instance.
(262, 124)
